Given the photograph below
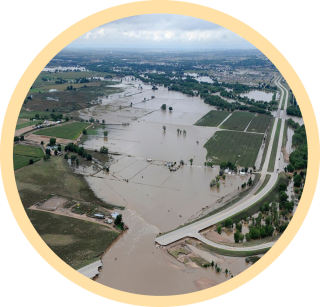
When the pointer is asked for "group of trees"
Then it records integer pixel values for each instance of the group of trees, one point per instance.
(17, 138)
(71, 147)
(294, 110)
(299, 157)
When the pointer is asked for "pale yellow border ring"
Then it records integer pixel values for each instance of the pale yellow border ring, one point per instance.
(152, 7)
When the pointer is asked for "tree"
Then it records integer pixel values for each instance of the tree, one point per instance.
(219, 229)
(297, 180)
(248, 237)
(46, 157)
(105, 133)
(89, 157)
(236, 236)
(56, 152)
(21, 138)
(250, 182)
(16, 139)
(48, 151)
(229, 222)
(282, 187)
(66, 156)
(104, 150)
(52, 142)
(226, 271)
(31, 161)
(170, 109)
(239, 227)
(41, 143)
(59, 148)
(118, 221)
(191, 161)
(84, 131)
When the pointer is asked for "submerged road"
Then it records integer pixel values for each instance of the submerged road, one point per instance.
(193, 229)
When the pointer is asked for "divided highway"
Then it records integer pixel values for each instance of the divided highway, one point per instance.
(193, 229)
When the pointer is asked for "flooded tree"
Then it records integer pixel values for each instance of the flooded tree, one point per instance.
(170, 108)
(184, 132)
(164, 128)
(164, 107)
(191, 161)
(219, 229)
(105, 133)
(181, 162)
(104, 150)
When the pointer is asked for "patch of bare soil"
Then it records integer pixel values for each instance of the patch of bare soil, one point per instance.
(286, 155)
(215, 237)
(23, 130)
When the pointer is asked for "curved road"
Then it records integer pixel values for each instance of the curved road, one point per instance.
(193, 229)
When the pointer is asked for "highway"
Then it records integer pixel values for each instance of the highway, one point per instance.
(192, 230)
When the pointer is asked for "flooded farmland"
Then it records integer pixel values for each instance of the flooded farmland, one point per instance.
(156, 200)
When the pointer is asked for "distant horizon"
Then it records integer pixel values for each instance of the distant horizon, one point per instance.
(162, 31)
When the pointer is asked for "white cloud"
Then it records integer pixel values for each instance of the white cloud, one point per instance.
(162, 30)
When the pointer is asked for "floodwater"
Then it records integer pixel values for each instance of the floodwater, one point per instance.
(258, 95)
(296, 119)
(135, 264)
(156, 199)
(165, 198)
(290, 133)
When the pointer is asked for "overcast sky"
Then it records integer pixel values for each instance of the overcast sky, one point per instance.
(162, 31)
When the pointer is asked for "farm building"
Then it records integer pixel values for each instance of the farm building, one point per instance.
(99, 216)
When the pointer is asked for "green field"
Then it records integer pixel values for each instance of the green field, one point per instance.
(238, 121)
(231, 146)
(68, 131)
(27, 124)
(29, 151)
(212, 118)
(31, 114)
(22, 161)
(259, 124)
(23, 153)
(76, 242)
(274, 147)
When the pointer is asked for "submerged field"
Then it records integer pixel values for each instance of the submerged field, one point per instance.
(68, 131)
(212, 118)
(259, 124)
(237, 147)
(238, 121)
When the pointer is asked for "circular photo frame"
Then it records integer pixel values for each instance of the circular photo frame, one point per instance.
(141, 8)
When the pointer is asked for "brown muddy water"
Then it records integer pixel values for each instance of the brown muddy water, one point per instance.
(156, 199)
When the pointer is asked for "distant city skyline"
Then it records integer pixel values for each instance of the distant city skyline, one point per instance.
(161, 31)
